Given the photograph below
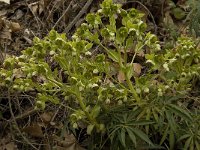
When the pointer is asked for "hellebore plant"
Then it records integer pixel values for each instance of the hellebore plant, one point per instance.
(83, 71)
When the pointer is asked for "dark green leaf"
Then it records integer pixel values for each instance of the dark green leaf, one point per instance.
(142, 135)
(192, 145)
(171, 120)
(164, 137)
(184, 137)
(132, 136)
(140, 123)
(179, 111)
(187, 143)
(197, 144)
(171, 139)
(122, 137)
(148, 147)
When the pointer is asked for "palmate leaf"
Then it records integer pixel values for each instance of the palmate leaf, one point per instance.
(164, 136)
(155, 115)
(197, 144)
(192, 144)
(149, 147)
(141, 135)
(185, 136)
(113, 132)
(140, 123)
(171, 139)
(187, 143)
(179, 111)
(132, 136)
(174, 98)
(171, 121)
(122, 137)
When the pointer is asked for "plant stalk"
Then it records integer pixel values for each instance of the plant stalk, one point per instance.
(132, 89)
(83, 107)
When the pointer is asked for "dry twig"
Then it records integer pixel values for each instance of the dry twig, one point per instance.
(15, 122)
(64, 13)
(83, 10)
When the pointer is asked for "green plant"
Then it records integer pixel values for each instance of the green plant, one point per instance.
(126, 113)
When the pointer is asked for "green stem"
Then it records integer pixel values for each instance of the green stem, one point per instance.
(83, 107)
(119, 53)
(80, 100)
(107, 50)
(125, 55)
(126, 76)
(133, 58)
(137, 98)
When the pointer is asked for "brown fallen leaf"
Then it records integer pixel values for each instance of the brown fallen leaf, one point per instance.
(121, 77)
(137, 68)
(69, 143)
(9, 146)
(35, 130)
(141, 54)
(14, 26)
(46, 117)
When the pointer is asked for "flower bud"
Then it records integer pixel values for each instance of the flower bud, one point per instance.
(166, 67)
(183, 74)
(138, 90)
(160, 93)
(146, 90)
(95, 71)
(101, 127)
(88, 53)
(75, 125)
(167, 87)
(120, 102)
(196, 60)
(107, 101)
